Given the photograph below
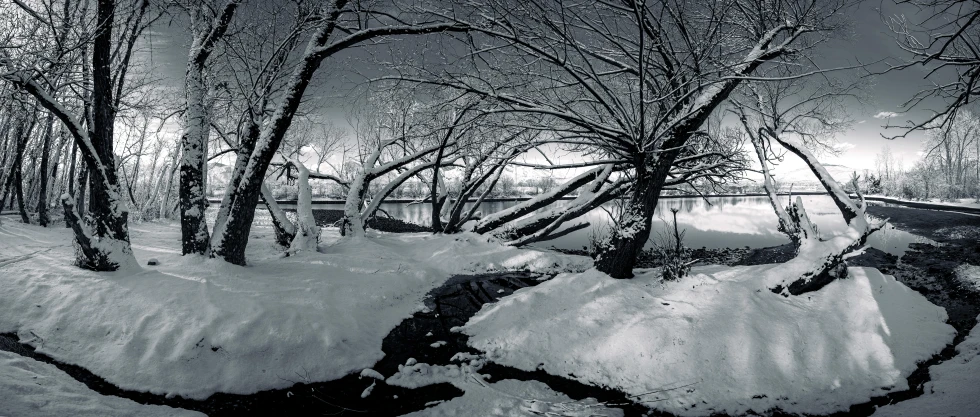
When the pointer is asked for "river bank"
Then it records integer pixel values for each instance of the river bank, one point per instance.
(427, 336)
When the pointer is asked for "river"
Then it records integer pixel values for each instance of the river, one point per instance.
(715, 222)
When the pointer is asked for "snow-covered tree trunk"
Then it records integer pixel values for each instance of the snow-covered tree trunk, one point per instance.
(619, 252)
(284, 229)
(787, 224)
(307, 232)
(819, 261)
(352, 224)
(193, 227)
(42, 201)
(102, 236)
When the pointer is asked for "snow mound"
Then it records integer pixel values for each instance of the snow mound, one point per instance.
(969, 275)
(36, 389)
(718, 341)
(504, 398)
(952, 389)
(513, 398)
(193, 326)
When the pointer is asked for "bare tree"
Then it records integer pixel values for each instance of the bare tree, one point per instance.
(209, 26)
(942, 40)
(634, 82)
(799, 118)
(102, 236)
(338, 25)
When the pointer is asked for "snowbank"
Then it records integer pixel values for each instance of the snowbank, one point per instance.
(952, 389)
(508, 397)
(513, 398)
(193, 326)
(969, 275)
(718, 341)
(36, 389)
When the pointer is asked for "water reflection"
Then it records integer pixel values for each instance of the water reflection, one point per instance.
(717, 222)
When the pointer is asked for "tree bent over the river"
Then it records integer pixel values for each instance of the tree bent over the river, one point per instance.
(634, 81)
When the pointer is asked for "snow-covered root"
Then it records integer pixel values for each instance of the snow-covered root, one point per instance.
(307, 232)
(98, 253)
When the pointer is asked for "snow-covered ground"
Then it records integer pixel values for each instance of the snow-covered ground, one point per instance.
(29, 388)
(969, 275)
(718, 340)
(510, 398)
(193, 326)
(953, 387)
(513, 398)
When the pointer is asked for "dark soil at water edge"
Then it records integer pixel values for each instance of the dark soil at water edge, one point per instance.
(930, 269)
(325, 218)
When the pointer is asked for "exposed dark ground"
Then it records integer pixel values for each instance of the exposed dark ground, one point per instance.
(926, 268)
(379, 222)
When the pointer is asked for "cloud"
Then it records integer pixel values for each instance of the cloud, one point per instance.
(862, 122)
(886, 115)
(844, 146)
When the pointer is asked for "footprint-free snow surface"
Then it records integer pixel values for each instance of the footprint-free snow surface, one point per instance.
(193, 326)
(37, 389)
(718, 341)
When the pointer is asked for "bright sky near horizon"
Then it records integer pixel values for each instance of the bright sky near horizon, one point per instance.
(871, 41)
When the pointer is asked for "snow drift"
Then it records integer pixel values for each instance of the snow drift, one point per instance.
(194, 326)
(718, 340)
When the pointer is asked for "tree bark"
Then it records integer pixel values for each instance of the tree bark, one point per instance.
(619, 253)
(42, 200)
(193, 201)
(193, 227)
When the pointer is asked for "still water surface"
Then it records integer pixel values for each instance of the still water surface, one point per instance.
(717, 222)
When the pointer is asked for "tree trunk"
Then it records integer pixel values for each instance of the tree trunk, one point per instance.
(193, 227)
(352, 224)
(19, 192)
(618, 254)
(109, 231)
(285, 230)
(307, 232)
(42, 200)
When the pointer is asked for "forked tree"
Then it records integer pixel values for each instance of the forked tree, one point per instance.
(801, 116)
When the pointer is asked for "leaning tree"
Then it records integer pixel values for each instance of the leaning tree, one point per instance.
(634, 80)
(334, 27)
(801, 117)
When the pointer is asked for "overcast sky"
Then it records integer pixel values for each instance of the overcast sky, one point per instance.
(870, 41)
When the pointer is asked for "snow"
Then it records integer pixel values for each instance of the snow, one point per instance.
(718, 341)
(503, 398)
(36, 389)
(952, 389)
(969, 275)
(193, 326)
(513, 398)
(371, 373)
(961, 202)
